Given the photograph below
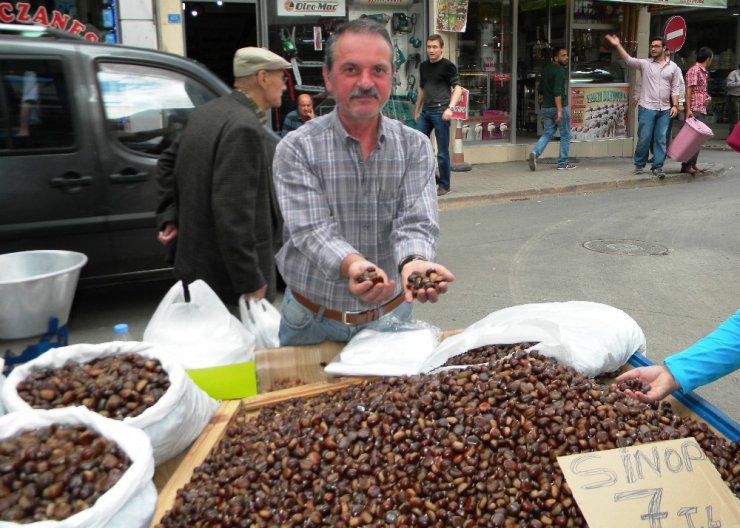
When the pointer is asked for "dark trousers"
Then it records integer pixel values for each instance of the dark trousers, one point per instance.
(733, 107)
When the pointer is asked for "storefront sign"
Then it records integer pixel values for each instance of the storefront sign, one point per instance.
(174, 18)
(674, 33)
(599, 111)
(21, 12)
(719, 4)
(658, 484)
(335, 8)
(452, 15)
(460, 110)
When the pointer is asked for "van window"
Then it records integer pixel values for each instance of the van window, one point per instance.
(35, 111)
(146, 106)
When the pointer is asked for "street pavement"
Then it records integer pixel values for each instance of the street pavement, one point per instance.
(511, 181)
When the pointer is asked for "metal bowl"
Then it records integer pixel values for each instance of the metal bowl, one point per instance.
(36, 286)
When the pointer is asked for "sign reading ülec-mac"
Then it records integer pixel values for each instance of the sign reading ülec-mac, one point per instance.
(21, 12)
(311, 8)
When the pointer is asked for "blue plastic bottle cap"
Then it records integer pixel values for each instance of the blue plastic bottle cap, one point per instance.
(120, 328)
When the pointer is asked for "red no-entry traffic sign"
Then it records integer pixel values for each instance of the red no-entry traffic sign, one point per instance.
(674, 33)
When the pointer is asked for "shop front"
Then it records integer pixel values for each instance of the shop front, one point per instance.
(715, 27)
(519, 37)
(500, 47)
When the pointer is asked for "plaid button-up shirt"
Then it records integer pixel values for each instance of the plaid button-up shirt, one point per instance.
(696, 77)
(336, 203)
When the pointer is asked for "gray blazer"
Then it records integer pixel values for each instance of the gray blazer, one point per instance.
(216, 184)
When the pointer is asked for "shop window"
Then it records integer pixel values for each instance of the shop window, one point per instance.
(35, 112)
(145, 107)
(301, 37)
(485, 66)
(599, 91)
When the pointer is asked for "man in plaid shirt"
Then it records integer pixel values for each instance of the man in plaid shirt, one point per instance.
(697, 97)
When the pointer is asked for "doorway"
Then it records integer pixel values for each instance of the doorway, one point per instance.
(215, 30)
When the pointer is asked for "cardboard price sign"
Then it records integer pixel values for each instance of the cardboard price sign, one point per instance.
(460, 110)
(656, 485)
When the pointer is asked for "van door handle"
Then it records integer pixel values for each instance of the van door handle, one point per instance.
(128, 177)
(70, 179)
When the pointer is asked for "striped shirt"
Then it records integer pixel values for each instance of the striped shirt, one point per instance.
(659, 82)
(696, 77)
(335, 204)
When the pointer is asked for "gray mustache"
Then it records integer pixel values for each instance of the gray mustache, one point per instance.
(367, 92)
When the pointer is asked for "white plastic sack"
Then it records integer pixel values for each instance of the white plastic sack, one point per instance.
(171, 424)
(200, 333)
(396, 348)
(2, 380)
(591, 337)
(130, 503)
(262, 320)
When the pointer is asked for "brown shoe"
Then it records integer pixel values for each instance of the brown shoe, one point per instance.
(689, 170)
(697, 169)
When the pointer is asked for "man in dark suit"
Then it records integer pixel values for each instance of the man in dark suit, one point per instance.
(216, 193)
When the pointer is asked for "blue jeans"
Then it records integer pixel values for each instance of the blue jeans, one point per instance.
(548, 116)
(427, 122)
(652, 127)
(300, 326)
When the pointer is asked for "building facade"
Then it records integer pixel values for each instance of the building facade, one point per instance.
(499, 46)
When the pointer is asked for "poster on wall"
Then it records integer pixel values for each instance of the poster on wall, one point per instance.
(452, 15)
(337, 8)
(599, 111)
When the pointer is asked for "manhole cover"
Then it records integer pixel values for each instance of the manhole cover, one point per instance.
(633, 248)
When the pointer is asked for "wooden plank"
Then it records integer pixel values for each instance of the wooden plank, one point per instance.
(294, 365)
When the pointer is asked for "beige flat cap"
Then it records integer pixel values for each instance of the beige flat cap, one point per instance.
(248, 61)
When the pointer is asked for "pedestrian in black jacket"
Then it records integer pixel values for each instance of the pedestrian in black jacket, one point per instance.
(216, 193)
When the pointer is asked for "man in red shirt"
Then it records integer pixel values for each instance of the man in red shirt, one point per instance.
(697, 97)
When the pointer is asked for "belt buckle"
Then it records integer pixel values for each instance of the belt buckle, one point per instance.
(350, 314)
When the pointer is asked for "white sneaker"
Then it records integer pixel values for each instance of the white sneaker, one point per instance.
(567, 166)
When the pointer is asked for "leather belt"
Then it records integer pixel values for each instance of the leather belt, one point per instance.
(351, 318)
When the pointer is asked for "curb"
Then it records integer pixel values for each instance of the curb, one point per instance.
(460, 199)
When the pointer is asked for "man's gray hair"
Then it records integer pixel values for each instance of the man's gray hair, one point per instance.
(359, 26)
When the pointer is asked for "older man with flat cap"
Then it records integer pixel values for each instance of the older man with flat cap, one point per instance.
(216, 194)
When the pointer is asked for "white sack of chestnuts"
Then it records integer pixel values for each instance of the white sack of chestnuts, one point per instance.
(131, 501)
(172, 423)
(592, 338)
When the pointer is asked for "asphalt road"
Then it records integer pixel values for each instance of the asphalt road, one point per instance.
(533, 251)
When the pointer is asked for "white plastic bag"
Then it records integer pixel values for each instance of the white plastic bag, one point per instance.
(200, 333)
(2, 380)
(130, 503)
(262, 320)
(395, 348)
(171, 424)
(591, 337)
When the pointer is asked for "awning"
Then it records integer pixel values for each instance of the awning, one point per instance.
(718, 4)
